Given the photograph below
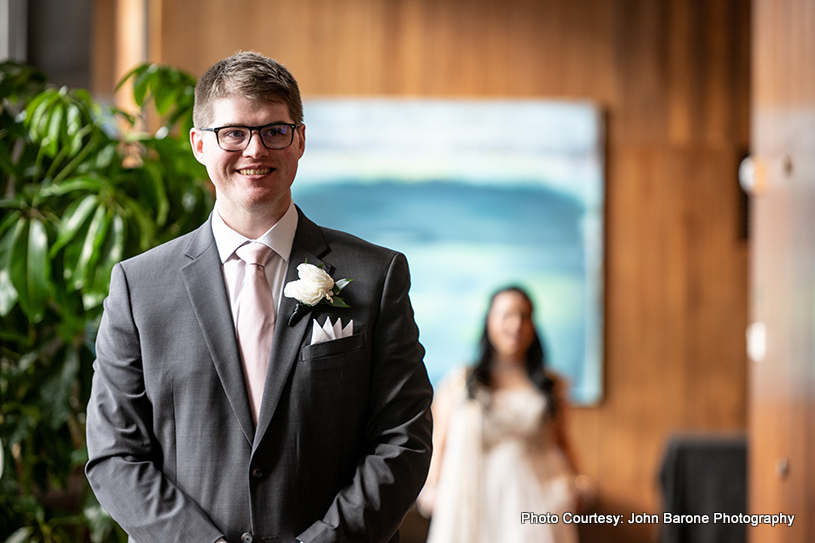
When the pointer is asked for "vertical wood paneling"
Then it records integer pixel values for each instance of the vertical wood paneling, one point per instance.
(103, 51)
(672, 76)
(782, 385)
(131, 50)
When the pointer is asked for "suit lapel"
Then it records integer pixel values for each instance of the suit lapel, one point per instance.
(309, 246)
(205, 286)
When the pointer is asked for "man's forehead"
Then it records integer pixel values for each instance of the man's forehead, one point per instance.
(242, 110)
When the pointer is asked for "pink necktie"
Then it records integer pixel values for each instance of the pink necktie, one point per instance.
(256, 318)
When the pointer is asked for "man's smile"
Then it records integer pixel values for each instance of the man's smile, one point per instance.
(254, 171)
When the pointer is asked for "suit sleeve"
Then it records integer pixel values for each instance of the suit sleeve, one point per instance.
(122, 469)
(393, 469)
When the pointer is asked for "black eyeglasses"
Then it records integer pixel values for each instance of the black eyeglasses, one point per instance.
(237, 138)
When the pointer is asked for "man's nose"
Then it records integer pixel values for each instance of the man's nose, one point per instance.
(255, 147)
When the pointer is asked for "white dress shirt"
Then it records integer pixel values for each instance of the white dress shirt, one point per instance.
(279, 238)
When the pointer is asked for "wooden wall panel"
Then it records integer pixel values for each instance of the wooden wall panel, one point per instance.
(673, 77)
(782, 384)
(103, 58)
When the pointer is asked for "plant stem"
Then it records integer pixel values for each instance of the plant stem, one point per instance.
(77, 160)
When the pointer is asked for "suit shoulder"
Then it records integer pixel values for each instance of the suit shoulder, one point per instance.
(338, 238)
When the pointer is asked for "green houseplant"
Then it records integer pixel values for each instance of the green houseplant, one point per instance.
(81, 188)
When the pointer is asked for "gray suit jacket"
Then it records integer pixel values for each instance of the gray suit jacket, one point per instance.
(342, 444)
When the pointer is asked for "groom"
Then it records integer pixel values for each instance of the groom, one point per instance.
(223, 409)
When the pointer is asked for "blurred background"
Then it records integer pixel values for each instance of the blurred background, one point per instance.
(710, 182)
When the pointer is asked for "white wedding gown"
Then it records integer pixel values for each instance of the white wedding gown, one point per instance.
(500, 461)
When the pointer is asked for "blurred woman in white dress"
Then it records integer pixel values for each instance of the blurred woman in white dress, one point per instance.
(500, 448)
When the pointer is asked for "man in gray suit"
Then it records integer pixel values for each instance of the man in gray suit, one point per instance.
(323, 438)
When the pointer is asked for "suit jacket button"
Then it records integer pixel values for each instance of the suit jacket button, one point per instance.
(257, 473)
(246, 538)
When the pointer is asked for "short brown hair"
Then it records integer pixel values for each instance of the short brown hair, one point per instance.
(250, 75)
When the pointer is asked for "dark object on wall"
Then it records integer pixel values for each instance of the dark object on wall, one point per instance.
(704, 476)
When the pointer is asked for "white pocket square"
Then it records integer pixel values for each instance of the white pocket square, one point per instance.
(329, 332)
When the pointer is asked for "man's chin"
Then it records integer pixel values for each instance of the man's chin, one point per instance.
(262, 203)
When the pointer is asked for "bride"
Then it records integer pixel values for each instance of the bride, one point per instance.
(500, 448)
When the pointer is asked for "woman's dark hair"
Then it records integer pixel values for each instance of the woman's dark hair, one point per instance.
(479, 375)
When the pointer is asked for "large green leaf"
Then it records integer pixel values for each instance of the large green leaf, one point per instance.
(97, 253)
(170, 89)
(37, 269)
(35, 110)
(74, 219)
(77, 184)
(165, 92)
(38, 114)
(98, 143)
(11, 219)
(56, 129)
(96, 230)
(110, 254)
(143, 74)
(19, 262)
(8, 294)
(61, 121)
(76, 128)
(105, 157)
(155, 191)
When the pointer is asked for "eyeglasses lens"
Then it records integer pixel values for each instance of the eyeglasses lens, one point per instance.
(236, 138)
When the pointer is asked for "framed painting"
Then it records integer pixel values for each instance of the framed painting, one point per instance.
(478, 194)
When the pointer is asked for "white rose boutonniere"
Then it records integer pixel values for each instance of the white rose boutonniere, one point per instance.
(315, 286)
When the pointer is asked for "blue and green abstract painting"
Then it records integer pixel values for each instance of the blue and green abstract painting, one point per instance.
(478, 195)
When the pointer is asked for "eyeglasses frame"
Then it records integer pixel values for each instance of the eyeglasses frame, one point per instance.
(252, 129)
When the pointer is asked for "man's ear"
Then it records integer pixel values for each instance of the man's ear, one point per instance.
(302, 140)
(197, 141)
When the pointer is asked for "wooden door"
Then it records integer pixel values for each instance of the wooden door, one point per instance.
(782, 365)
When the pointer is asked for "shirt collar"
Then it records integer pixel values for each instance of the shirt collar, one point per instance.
(279, 237)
